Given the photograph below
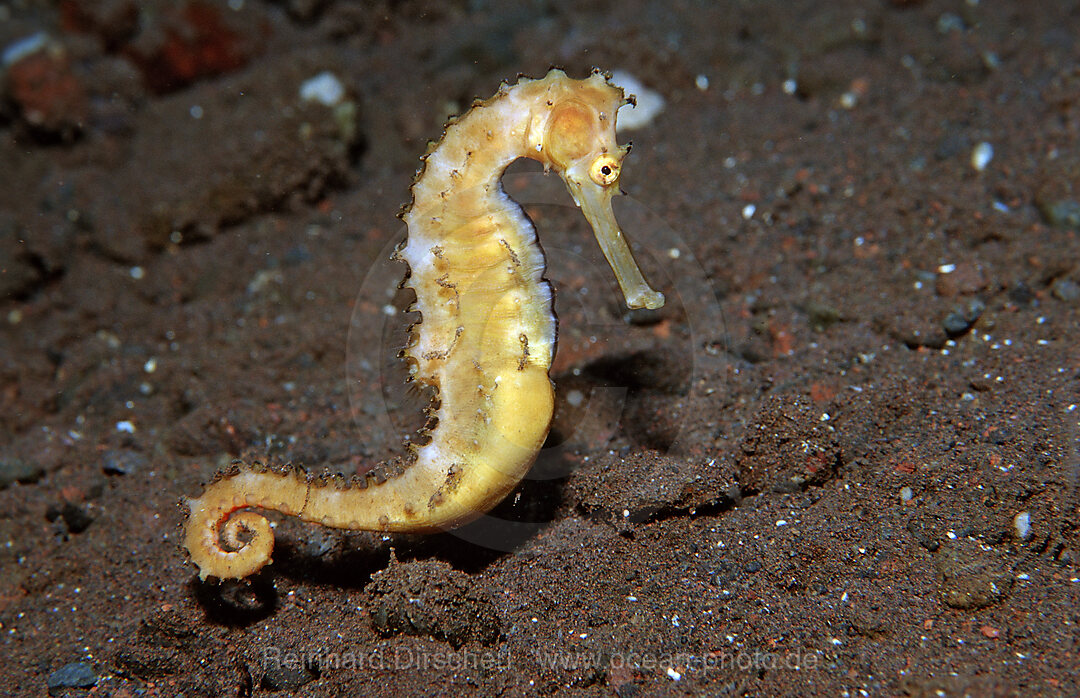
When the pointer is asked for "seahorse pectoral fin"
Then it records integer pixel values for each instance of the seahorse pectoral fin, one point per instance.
(595, 202)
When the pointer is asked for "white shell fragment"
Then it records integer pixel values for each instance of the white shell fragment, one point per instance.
(18, 50)
(1022, 523)
(324, 88)
(981, 155)
(649, 102)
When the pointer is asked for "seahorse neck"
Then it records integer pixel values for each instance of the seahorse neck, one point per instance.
(464, 170)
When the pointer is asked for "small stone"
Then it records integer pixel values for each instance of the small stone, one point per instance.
(1022, 524)
(973, 309)
(1066, 290)
(121, 462)
(963, 278)
(981, 155)
(325, 88)
(1060, 213)
(50, 99)
(18, 50)
(920, 529)
(288, 678)
(822, 315)
(73, 675)
(18, 470)
(961, 319)
(954, 324)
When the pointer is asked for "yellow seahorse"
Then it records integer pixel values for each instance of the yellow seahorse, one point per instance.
(486, 337)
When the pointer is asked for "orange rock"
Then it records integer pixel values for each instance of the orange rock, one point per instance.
(50, 98)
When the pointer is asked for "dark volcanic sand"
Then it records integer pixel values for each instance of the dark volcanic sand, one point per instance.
(844, 460)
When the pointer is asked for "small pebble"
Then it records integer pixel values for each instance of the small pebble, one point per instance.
(906, 494)
(961, 319)
(949, 22)
(17, 50)
(121, 462)
(1064, 213)
(324, 88)
(18, 470)
(954, 323)
(1022, 524)
(288, 678)
(1066, 290)
(981, 156)
(73, 675)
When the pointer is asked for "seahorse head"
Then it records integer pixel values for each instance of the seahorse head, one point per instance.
(572, 131)
(573, 127)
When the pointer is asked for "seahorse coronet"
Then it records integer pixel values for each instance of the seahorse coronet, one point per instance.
(484, 341)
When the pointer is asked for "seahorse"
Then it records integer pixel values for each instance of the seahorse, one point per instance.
(486, 336)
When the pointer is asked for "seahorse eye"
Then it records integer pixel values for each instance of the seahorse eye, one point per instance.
(604, 170)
